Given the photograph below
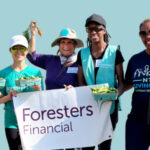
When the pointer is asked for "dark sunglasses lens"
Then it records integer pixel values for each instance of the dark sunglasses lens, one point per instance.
(143, 33)
(98, 29)
(93, 29)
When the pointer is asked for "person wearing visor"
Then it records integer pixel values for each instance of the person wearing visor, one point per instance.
(138, 76)
(104, 65)
(60, 70)
(19, 50)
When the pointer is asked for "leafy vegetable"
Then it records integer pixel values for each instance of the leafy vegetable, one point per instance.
(30, 78)
(27, 35)
(103, 90)
(2, 78)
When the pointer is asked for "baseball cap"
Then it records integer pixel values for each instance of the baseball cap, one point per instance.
(95, 18)
(18, 40)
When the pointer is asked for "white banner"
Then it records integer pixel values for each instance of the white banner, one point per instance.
(58, 119)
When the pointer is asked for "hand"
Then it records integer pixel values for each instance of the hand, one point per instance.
(121, 89)
(33, 28)
(68, 64)
(14, 93)
(67, 87)
(9, 96)
(36, 87)
(1, 95)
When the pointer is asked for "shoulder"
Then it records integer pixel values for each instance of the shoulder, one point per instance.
(113, 48)
(51, 57)
(33, 70)
(43, 56)
(85, 49)
(5, 71)
(137, 56)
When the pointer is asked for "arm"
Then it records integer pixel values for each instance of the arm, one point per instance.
(36, 87)
(5, 99)
(127, 87)
(80, 74)
(128, 76)
(120, 77)
(36, 59)
(33, 31)
(81, 79)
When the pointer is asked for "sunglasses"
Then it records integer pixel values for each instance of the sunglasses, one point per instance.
(96, 29)
(144, 33)
(16, 49)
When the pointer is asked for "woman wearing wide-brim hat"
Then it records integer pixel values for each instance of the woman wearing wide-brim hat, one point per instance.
(60, 70)
(104, 65)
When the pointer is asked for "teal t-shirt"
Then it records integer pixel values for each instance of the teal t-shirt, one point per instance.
(11, 75)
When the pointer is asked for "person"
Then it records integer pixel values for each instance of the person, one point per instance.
(61, 70)
(137, 76)
(104, 65)
(18, 49)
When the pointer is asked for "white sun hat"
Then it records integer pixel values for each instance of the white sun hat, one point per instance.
(69, 34)
(18, 40)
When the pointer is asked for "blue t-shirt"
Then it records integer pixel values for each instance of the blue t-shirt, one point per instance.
(10, 75)
(138, 75)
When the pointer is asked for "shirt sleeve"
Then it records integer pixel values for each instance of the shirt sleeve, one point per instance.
(2, 90)
(37, 59)
(119, 57)
(79, 58)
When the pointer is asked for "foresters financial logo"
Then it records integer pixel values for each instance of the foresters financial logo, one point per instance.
(55, 117)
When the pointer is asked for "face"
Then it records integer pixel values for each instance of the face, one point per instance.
(95, 32)
(145, 34)
(19, 52)
(67, 47)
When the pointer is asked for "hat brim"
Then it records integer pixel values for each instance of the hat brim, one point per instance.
(91, 21)
(78, 41)
(19, 43)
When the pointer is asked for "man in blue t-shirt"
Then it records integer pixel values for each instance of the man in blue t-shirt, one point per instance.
(138, 77)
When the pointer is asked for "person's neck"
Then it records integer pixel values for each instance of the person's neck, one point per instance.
(99, 47)
(148, 51)
(18, 66)
(68, 56)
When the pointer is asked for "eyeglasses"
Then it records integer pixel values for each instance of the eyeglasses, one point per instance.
(16, 49)
(96, 29)
(144, 33)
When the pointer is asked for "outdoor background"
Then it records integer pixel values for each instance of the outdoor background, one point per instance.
(122, 16)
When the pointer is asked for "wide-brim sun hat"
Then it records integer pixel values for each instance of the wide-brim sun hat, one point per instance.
(68, 34)
(18, 40)
(97, 19)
